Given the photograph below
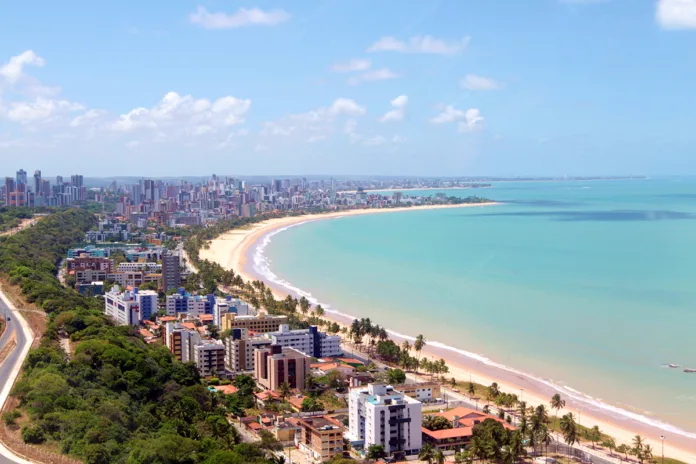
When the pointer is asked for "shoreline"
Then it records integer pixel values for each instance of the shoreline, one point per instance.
(235, 249)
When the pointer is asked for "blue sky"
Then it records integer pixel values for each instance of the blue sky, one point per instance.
(451, 87)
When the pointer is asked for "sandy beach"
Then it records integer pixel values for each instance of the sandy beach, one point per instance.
(231, 251)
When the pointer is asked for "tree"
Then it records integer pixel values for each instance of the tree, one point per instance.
(304, 305)
(471, 390)
(396, 376)
(427, 453)
(557, 403)
(569, 430)
(435, 423)
(623, 449)
(284, 390)
(439, 457)
(319, 311)
(418, 345)
(610, 444)
(376, 452)
(594, 435)
(638, 449)
(311, 404)
(493, 391)
(486, 409)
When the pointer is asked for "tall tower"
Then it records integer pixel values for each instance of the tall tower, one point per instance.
(37, 182)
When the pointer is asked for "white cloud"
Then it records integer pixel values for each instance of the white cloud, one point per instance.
(420, 44)
(449, 114)
(12, 71)
(351, 66)
(468, 120)
(472, 121)
(132, 144)
(242, 17)
(474, 82)
(40, 110)
(91, 117)
(399, 108)
(676, 14)
(347, 107)
(372, 76)
(179, 112)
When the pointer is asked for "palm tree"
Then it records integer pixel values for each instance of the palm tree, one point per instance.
(647, 453)
(319, 310)
(405, 346)
(453, 382)
(284, 390)
(427, 453)
(569, 430)
(557, 403)
(439, 457)
(418, 345)
(610, 444)
(594, 435)
(623, 448)
(638, 448)
(471, 390)
(304, 305)
(486, 409)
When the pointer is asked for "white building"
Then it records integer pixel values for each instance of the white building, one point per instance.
(209, 357)
(379, 415)
(221, 308)
(308, 341)
(239, 350)
(129, 308)
(181, 341)
(195, 305)
(130, 267)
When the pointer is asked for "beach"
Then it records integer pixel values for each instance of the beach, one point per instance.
(233, 251)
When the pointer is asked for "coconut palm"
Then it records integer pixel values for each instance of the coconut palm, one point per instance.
(427, 453)
(569, 430)
(284, 390)
(610, 444)
(623, 449)
(418, 345)
(439, 457)
(471, 390)
(557, 403)
(405, 346)
(594, 435)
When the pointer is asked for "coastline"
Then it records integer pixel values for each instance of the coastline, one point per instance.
(235, 249)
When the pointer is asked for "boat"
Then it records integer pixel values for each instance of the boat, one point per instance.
(689, 371)
(673, 366)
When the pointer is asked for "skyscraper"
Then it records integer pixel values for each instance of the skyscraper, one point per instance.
(37, 182)
(22, 178)
(170, 271)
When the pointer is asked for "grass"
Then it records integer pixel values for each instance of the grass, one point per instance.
(331, 401)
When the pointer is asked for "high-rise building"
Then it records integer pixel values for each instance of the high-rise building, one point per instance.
(379, 415)
(261, 323)
(170, 271)
(309, 341)
(276, 365)
(22, 177)
(239, 350)
(76, 180)
(10, 187)
(209, 357)
(37, 182)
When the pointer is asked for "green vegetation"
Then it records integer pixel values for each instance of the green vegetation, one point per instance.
(117, 399)
(11, 217)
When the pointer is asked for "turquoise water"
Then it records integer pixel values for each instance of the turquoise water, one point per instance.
(589, 284)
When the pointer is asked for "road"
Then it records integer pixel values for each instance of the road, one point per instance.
(9, 369)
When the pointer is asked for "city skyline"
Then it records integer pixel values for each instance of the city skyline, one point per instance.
(545, 88)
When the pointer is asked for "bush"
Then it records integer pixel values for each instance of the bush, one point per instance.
(10, 416)
(33, 435)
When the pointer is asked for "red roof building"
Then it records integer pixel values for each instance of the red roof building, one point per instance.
(463, 421)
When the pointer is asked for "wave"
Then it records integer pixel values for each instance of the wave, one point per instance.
(262, 266)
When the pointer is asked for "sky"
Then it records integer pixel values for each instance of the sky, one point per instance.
(349, 87)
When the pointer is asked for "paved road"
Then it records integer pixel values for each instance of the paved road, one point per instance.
(8, 365)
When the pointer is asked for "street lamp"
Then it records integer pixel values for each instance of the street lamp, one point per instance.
(662, 439)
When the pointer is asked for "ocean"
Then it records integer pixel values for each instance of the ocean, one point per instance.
(588, 285)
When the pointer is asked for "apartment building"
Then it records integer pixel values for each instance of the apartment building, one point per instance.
(239, 350)
(129, 267)
(170, 271)
(209, 357)
(380, 415)
(89, 275)
(309, 341)
(181, 341)
(129, 308)
(320, 438)
(275, 365)
(89, 262)
(194, 305)
(425, 392)
(261, 323)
